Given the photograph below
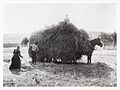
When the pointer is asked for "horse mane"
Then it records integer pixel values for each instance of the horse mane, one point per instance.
(92, 42)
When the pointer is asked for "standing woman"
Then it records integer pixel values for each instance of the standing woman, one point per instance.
(16, 63)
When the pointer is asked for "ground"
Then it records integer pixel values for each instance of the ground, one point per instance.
(102, 71)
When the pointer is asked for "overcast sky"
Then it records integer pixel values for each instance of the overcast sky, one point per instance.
(23, 17)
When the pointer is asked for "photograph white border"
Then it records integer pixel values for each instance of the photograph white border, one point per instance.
(2, 2)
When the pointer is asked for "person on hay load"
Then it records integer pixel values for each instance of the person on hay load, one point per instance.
(35, 49)
(16, 63)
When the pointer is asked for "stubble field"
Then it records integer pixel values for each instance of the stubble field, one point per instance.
(102, 71)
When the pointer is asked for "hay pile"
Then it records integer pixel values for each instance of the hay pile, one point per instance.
(24, 42)
(35, 37)
(61, 41)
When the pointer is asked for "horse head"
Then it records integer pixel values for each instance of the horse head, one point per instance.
(98, 42)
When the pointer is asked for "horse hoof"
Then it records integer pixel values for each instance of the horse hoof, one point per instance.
(88, 63)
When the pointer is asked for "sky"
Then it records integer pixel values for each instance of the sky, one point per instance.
(29, 17)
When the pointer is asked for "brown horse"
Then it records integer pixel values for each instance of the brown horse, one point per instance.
(88, 49)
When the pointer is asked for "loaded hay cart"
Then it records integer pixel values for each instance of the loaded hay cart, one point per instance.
(62, 41)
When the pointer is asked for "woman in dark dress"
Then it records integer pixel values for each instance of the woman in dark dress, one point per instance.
(16, 63)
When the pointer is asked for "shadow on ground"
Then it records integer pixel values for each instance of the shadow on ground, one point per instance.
(95, 70)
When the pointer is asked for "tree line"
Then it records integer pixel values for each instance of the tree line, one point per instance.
(108, 38)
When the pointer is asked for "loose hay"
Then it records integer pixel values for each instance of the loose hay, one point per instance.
(25, 67)
(61, 41)
(50, 74)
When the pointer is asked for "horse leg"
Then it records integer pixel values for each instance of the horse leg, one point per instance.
(88, 59)
(91, 56)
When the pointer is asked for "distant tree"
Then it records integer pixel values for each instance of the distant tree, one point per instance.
(24, 41)
(106, 38)
(114, 36)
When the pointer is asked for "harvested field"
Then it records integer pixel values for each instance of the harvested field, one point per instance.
(102, 72)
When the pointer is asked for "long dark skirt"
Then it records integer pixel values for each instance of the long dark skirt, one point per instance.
(16, 63)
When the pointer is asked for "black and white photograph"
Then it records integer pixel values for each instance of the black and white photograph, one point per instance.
(60, 44)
